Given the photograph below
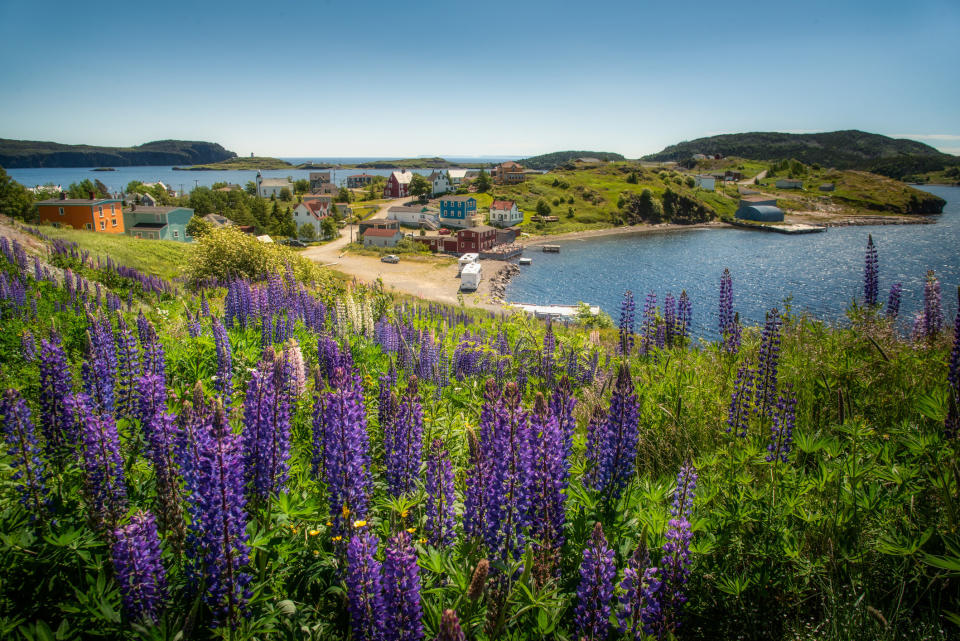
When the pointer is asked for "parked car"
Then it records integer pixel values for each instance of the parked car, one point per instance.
(390, 258)
(292, 242)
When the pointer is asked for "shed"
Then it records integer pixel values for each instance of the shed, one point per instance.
(760, 213)
(827, 187)
(789, 183)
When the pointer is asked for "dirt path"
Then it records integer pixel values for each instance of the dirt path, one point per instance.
(332, 252)
(749, 181)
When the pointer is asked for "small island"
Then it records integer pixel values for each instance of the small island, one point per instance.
(253, 162)
(103, 169)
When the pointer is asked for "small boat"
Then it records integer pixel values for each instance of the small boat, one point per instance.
(553, 249)
(525, 261)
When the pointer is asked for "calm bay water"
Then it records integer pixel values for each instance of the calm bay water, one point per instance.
(821, 272)
(185, 181)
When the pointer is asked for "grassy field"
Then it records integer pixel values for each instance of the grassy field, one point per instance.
(165, 258)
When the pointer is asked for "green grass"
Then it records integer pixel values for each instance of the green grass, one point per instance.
(165, 258)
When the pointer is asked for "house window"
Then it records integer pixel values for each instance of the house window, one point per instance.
(61, 211)
(88, 226)
(103, 225)
(176, 234)
(113, 223)
(139, 235)
(101, 211)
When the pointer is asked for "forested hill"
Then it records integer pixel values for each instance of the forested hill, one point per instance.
(849, 149)
(557, 158)
(16, 154)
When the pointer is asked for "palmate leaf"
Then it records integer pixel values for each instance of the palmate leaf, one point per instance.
(893, 545)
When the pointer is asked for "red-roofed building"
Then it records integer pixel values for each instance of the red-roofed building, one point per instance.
(359, 180)
(398, 184)
(382, 237)
(312, 212)
(504, 213)
(508, 173)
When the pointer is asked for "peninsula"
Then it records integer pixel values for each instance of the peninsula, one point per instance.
(20, 154)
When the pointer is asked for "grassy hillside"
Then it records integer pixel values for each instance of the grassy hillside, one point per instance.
(417, 163)
(850, 149)
(257, 162)
(32, 153)
(557, 158)
(165, 258)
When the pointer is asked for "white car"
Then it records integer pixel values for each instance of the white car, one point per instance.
(390, 258)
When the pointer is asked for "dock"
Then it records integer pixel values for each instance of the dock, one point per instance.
(786, 228)
(553, 312)
(551, 249)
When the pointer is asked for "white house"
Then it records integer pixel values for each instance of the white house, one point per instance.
(310, 211)
(706, 182)
(457, 176)
(382, 237)
(414, 217)
(504, 213)
(267, 187)
(441, 183)
(147, 200)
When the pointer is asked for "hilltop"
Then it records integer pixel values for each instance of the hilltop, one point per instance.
(417, 163)
(851, 149)
(254, 162)
(18, 154)
(557, 158)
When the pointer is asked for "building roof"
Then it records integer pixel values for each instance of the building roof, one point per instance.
(510, 165)
(385, 233)
(479, 229)
(403, 177)
(315, 206)
(362, 176)
(217, 219)
(149, 226)
(276, 182)
(161, 209)
(502, 204)
(76, 201)
(404, 209)
(458, 198)
(789, 180)
(457, 173)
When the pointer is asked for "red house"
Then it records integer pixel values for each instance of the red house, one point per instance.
(398, 184)
(476, 239)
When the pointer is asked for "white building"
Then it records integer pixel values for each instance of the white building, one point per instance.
(706, 182)
(414, 217)
(267, 187)
(382, 237)
(311, 211)
(504, 213)
(441, 183)
(457, 176)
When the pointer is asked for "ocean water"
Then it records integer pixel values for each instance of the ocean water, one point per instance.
(817, 274)
(185, 181)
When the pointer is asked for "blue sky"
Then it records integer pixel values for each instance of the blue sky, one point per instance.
(474, 78)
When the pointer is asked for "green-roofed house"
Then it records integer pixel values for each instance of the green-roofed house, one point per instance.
(158, 223)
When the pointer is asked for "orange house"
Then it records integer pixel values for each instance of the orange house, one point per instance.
(93, 214)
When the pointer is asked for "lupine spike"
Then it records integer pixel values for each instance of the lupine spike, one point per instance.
(871, 283)
(595, 592)
(21, 438)
(401, 591)
(139, 570)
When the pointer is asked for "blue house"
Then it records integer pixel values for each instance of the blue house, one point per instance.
(458, 211)
(158, 223)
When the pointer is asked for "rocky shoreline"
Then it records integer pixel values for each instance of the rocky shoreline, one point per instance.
(500, 279)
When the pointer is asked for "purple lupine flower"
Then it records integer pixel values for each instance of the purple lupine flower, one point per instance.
(893, 300)
(221, 525)
(194, 328)
(952, 424)
(627, 307)
(669, 320)
(648, 329)
(440, 497)
(548, 487)
(450, 629)
(478, 490)
(346, 449)
(595, 592)
(675, 564)
(684, 316)
(932, 307)
(150, 345)
(266, 430)
(224, 382)
(103, 463)
(21, 438)
(741, 400)
(100, 368)
(387, 401)
(401, 591)
(768, 361)
(364, 588)
(615, 451)
(56, 382)
(204, 305)
(547, 355)
(871, 281)
(510, 475)
(403, 443)
(639, 599)
(162, 438)
(151, 398)
(128, 368)
(781, 429)
(28, 346)
(139, 571)
(562, 403)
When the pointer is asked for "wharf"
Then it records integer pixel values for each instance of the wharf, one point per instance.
(554, 312)
(788, 228)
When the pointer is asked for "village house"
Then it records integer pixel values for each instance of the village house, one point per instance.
(398, 184)
(459, 211)
(789, 183)
(218, 221)
(310, 211)
(318, 179)
(377, 223)
(267, 187)
(508, 173)
(357, 181)
(147, 200)
(382, 237)
(158, 223)
(827, 187)
(440, 181)
(504, 213)
(705, 182)
(457, 176)
(415, 217)
(326, 199)
(342, 210)
(475, 239)
(93, 214)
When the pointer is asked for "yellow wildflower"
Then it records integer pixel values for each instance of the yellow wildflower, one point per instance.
(337, 538)
(329, 523)
(359, 523)
(423, 541)
(411, 530)
(404, 514)
(346, 511)
(314, 532)
(316, 553)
